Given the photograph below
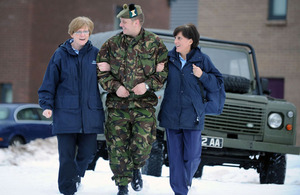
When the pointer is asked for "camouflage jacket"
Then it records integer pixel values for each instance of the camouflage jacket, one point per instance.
(132, 61)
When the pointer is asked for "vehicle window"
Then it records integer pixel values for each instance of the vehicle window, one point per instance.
(40, 112)
(4, 112)
(27, 114)
(169, 45)
(229, 61)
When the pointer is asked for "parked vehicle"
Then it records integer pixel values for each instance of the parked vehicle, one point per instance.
(22, 123)
(254, 131)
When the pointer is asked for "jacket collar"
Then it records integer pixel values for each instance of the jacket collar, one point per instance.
(194, 55)
(68, 47)
(129, 40)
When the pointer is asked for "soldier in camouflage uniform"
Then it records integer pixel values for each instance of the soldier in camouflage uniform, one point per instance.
(131, 80)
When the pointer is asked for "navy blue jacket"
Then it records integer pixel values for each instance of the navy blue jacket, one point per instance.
(182, 106)
(70, 90)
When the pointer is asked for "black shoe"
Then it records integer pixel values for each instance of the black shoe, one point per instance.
(77, 181)
(123, 190)
(137, 182)
(189, 185)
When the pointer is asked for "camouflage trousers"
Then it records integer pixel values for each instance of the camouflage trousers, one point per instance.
(129, 136)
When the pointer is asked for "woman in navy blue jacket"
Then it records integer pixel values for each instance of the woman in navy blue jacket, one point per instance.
(70, 93)
(182, 109)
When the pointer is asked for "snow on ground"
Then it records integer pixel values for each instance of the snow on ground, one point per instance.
(33, 168)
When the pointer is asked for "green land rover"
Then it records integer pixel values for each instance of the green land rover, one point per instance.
(254, 130)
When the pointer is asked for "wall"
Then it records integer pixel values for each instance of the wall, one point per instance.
(277, 46)
(31, 30)
(15, 47)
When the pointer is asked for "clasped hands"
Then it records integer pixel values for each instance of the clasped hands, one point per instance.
(104, 66)
(122, 92)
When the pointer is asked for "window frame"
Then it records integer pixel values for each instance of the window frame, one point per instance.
(6, 93)
(36, 109)
(34, 116)
(118, 8)
(272, 16)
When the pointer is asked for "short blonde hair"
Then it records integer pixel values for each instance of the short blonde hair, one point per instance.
(80, 22)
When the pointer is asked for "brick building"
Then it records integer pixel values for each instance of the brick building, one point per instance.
(276, 40)
(31, 30)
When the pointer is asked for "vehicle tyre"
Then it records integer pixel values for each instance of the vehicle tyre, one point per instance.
(236, 84)
(16, 141)
(154, 163)
(272, 169)
(199, 171)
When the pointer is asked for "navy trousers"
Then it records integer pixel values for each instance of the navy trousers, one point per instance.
(75, 151)
(184, 152)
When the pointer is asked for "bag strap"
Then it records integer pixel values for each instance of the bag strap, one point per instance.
(202, 92)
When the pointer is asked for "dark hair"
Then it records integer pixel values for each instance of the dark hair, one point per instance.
(189, 31)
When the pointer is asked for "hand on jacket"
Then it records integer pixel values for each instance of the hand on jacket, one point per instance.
(140, 89)
(197, 71)
(103, 66)
(122, 92)
(47, 113)
(160, 67)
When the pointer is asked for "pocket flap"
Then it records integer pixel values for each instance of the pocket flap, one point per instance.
(95, 102)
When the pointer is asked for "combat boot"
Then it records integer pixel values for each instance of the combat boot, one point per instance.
(137, 182)
(123, 190)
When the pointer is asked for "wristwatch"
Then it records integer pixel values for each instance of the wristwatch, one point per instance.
(147, 86)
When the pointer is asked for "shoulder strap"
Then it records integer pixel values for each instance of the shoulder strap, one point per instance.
(202, 92)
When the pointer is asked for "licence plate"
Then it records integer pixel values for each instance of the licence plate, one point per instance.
(213, 142)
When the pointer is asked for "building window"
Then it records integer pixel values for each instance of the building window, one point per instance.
(117, 20)
(6, 93)
(277, 9)
(183, 12)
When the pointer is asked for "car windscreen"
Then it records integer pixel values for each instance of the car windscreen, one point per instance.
(227, 61)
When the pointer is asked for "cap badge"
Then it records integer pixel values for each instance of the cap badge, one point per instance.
(132, 11)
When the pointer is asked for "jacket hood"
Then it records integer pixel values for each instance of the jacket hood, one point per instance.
(66, 46)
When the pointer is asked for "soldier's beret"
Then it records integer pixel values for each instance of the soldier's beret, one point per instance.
(130, 11)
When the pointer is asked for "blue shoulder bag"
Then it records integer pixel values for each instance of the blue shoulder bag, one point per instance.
(214, 100)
